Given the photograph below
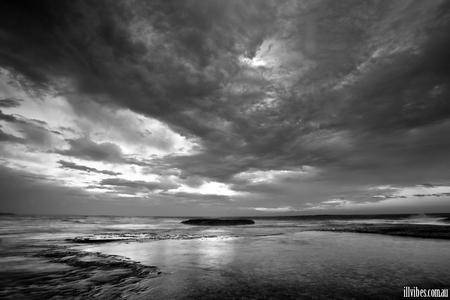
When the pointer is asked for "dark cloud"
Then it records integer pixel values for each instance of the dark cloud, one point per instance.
(40, 122)
(193, 181)
(37, 136)
(67, 129)
(395, 196)
(139, 184)
(74, 166)
(432, 195)
(358, 90)
(24, 121)
(8, 118)
(56, 132)
(4, 137)
(86, 149)
(102, 187)
(189, 38)
(35, 131)
(10, 102)
(427, 185)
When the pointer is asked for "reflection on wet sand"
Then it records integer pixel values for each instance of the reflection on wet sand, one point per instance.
(188, 265)
(207, 252)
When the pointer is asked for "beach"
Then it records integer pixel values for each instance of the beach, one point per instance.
(160, 258)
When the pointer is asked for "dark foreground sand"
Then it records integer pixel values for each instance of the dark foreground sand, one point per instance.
(421, 231)
(57, 270)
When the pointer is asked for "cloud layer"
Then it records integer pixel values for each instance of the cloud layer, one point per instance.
(280, 106)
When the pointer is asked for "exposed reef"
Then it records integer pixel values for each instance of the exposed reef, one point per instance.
(416, 230)
(218, 222)
(87, 260)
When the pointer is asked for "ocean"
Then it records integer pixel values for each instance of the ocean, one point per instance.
(276, 258)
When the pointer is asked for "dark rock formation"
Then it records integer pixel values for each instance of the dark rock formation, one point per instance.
(6, 214)
(412, 230)
(446, 220)
(96, 261)
(218, 222)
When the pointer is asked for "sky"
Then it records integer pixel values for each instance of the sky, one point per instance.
(224, 108)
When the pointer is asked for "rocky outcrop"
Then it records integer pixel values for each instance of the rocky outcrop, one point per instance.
(422, 231)
(6, 214)
(96, 261)
(446, 220)
(218, 222)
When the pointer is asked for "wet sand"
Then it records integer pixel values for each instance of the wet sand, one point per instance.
(58, 270)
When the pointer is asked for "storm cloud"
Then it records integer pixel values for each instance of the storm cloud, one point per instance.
(74, 166)
(286, 105)
(10, 102)
(139, 184)
(4, 137)
(87, 149)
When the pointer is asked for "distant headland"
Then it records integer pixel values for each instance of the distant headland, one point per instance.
(218, 222)
(6, 214)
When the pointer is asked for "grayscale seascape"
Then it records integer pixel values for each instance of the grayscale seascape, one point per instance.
(224, 149)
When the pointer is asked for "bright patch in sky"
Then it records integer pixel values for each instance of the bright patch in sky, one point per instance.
(274, 209)
(209, 188)
(272, 175)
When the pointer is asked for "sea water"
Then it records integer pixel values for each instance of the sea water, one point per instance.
(273, 259)
(298, 265)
